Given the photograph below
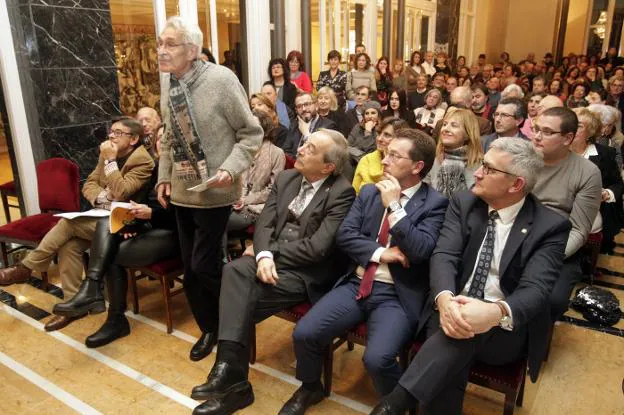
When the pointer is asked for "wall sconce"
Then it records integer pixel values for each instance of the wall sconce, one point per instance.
(600, 27)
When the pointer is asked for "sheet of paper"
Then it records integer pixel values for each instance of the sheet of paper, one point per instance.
(93, 213)
(203, 186)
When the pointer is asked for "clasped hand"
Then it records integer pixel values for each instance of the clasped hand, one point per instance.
(108, 150)
(462, 317)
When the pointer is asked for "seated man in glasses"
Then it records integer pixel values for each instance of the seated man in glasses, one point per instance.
(508, 118)
(496, 261)
(124, 168)
(389, 235)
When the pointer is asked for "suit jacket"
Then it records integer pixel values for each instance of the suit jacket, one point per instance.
(123, 184)
(349, 121)
(611, 179)
(311, 256)
(294, 135)
(488, 139)
(416, 235)
(530, 263)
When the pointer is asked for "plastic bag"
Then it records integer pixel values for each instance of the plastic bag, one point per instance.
(597, 305)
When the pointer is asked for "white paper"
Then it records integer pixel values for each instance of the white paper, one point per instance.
(93, 213)
(203, 186)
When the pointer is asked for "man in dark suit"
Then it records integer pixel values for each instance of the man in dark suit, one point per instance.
(508, 116)
(495, 263)
(293, 246)
(389, 234)
(308, 121)
(355, 114)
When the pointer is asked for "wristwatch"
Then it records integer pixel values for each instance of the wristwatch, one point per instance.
(107, 161)
(505, 322)
(394, 206)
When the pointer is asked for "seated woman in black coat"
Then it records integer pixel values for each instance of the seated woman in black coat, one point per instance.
(327, 106)
(279, 75)
(397, 107)
(585, 145)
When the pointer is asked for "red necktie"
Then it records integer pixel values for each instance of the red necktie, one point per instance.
(366, 285)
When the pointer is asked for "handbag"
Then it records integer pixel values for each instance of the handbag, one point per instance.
(597, 305)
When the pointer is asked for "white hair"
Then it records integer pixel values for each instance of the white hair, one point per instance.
(190, 32)
(607, 114)
(525, 161)
(512, 90)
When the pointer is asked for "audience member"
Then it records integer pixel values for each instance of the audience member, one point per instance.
(458, 153)
(533, 101)
(308, 121)
(379, 287)
(334, 77)
(461, 97)
(479, 104)
(398, 74)
(293, 247)
(279, 133)
(257, 181)
(279, 75)
(508, 117)
(416, 97)
(355, 115)
(615, 99)
(556, 88)
(413, 70)
(150, 120)
(428, 66)
(609, 217)
(485, 309)
(327, 106)
(397, 107)
(571, 186)
(442, 64)
(512, 91)
(610, 134)
(383, 79)
(549, 101)
(122, 173)
(207, 56)
(577, 97)
(370, 170)
(361, 76)
(494, 93)
(428, 116)
(595, 83)
(539, 84)
(362, 136)
(284, 113)
(208, 115)
(298, 75)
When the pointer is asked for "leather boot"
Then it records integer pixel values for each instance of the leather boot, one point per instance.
(90, 296)
(116, 325)
(14, 275)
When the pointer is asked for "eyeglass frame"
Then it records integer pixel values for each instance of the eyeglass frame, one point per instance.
(537, 131)
(392, 156)
(119, 133)
(304, 105)
(170, 46)
(487, 168)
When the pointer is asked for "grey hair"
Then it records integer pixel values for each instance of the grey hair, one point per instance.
(463, 95)
(512, 88)
(190, 32)
(338, 154)
(435, 91)
(525, 161)
(607, 114)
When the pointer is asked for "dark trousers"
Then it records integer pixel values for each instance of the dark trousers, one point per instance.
(438, 375)
(388, 329)
(144, 249)
(245, 300)
(571, 274)
(200, 232)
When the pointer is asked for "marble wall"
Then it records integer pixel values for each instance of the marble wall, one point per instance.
(447, 26)
(68, 74)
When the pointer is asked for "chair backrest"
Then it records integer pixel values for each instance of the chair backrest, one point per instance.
(290, 162)
(58, 180)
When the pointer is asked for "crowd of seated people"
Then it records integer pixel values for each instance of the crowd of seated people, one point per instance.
(394, 170)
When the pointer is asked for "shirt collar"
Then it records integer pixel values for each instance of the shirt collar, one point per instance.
(508, 214)
(317, 184)
(590, 151)
(411, 191)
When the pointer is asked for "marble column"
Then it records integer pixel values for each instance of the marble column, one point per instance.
(447, 26)
(67, 68)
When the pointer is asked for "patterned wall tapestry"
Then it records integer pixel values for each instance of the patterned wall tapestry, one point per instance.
(137, 67)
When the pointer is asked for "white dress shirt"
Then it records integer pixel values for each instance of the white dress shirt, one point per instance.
(315, 187)
(383, 273)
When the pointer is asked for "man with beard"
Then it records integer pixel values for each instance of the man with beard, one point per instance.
(479, 104)
(308, 121)
(508, 117)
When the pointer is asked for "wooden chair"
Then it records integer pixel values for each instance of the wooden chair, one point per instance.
(58, 182)
(7, 190)
(591, 252)
(167, 272)
(293, 315)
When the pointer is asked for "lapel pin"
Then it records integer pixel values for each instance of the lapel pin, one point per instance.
(523, 230)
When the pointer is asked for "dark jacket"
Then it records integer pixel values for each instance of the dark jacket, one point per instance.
(293, 141)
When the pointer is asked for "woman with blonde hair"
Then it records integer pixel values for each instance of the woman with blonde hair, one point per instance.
(327, 105)
(610, 134)
(609, 220)
(458, 153)
(260, 102)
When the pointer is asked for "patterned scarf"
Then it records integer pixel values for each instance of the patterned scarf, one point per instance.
(188, 156)
(451, 175)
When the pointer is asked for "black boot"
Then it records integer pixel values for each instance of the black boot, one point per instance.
(116, 325)
(90, 296)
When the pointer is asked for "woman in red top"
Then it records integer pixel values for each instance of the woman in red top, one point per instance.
(298, 76)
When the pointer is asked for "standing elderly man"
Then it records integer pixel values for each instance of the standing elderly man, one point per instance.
(497, 258)
(290, 262)
(208, 115)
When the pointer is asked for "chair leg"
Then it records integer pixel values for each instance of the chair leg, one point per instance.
(510, 401)
(132, 287)
(252, 344)
(5, 254)
(5, 206)
(350, 346)
(327, 370)
(550, 336)
(520, 397)
(45, 283)
(167, 296)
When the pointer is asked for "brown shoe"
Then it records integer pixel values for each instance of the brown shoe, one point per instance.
(59, 322)
(14, 275)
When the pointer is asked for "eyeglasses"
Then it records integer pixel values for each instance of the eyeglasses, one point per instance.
(503, 115)
(487, 169)
(392, 156)
(545, 133)
(169, 46)
(118, 133)
(304, 105)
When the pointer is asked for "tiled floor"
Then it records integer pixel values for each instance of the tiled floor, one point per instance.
(149, 371)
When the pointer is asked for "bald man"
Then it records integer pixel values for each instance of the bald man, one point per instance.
(549, 101)
(150, 120)
(461, 97)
